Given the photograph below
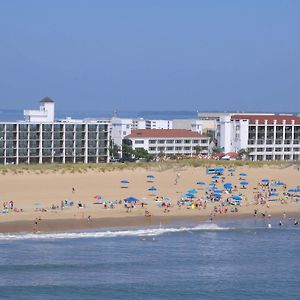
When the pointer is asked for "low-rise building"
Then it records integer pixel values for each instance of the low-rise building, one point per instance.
(188, 124)
(168, 141)
(159, 124)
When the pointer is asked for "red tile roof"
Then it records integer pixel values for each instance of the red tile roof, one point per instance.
(164, 133)
(269, 118)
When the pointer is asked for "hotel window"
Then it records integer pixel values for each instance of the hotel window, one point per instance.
(170, 148)
(92, 144)
(278, 149)
(34, 127)
(69, 127)
(152, 148)
(260, 149)
(69, 135)
(170, 141)
(22, 127)
(297, 149)
(92, 127)
(161, 141)
(47, 127)
(269, 149)
(23, 135)
(69, 144)
(80, 128)
(47, 144)
(11, 127)
(178, 141)
(58, 127)
(287, 149)
(178, 148)
(139, 142)
(152, 141)
(187, 148)
(277, 157)
(196, 141)
(204, 141)
(161, 148)
(187, 141)
(92, 135)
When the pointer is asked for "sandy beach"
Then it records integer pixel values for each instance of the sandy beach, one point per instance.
(37, 197)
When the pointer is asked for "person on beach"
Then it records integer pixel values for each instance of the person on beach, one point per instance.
(73, 190)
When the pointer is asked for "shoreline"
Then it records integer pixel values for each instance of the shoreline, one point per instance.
(67, 225)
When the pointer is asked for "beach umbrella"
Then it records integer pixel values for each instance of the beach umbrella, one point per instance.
(228, 185)
(265, 180)
(97, 197)
(231, 170)
(219, 170)
(215, 177)
(190, 195)
(217, 195)
(236, 198)
(273, 194)
(131, 199)
(124, 181)
(291, 190)
(192, 191)
(243, 174)
(201, 183)
(152, 188)
(150, 176)
(218, 191)
(244, 183)
(280, 183)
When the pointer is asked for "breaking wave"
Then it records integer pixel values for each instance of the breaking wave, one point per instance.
(109, 233)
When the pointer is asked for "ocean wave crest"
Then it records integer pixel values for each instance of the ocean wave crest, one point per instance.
(109, 234)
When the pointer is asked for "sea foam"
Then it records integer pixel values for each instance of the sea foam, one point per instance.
(109, 233)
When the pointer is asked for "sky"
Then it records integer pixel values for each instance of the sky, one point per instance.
(151, 54)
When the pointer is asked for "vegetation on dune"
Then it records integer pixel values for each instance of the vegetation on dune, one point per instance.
(160, 165)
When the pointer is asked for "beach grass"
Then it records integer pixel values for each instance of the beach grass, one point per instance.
(160, 165)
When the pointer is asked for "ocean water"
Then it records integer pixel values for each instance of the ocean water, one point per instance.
(15, 114)
(224, 260)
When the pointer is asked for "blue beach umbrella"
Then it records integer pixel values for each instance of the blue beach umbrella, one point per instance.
(244, 182)
(152, 188)
(215, 177)
(192, 191)
(228, 185)
(190, 195)
(231, 170)
(243, 174)
(280, 183)
(236, 198)
(273, 194)
(131, 199)
(150, 176)
(124, 181)
(201, 183)
(218, 191)
(217, 195)
(265, 180)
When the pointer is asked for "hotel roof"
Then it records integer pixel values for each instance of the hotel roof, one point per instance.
(46, 100)
(270, 119)
(164, 133)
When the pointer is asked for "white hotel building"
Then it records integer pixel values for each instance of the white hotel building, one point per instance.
(168, 141)
(42, 139)
(267, 137)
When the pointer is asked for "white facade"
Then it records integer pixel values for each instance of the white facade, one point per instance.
(267, 137)
(168, 142)
(121, 127)
(159, 124)
(188, 124)
(44, 114)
